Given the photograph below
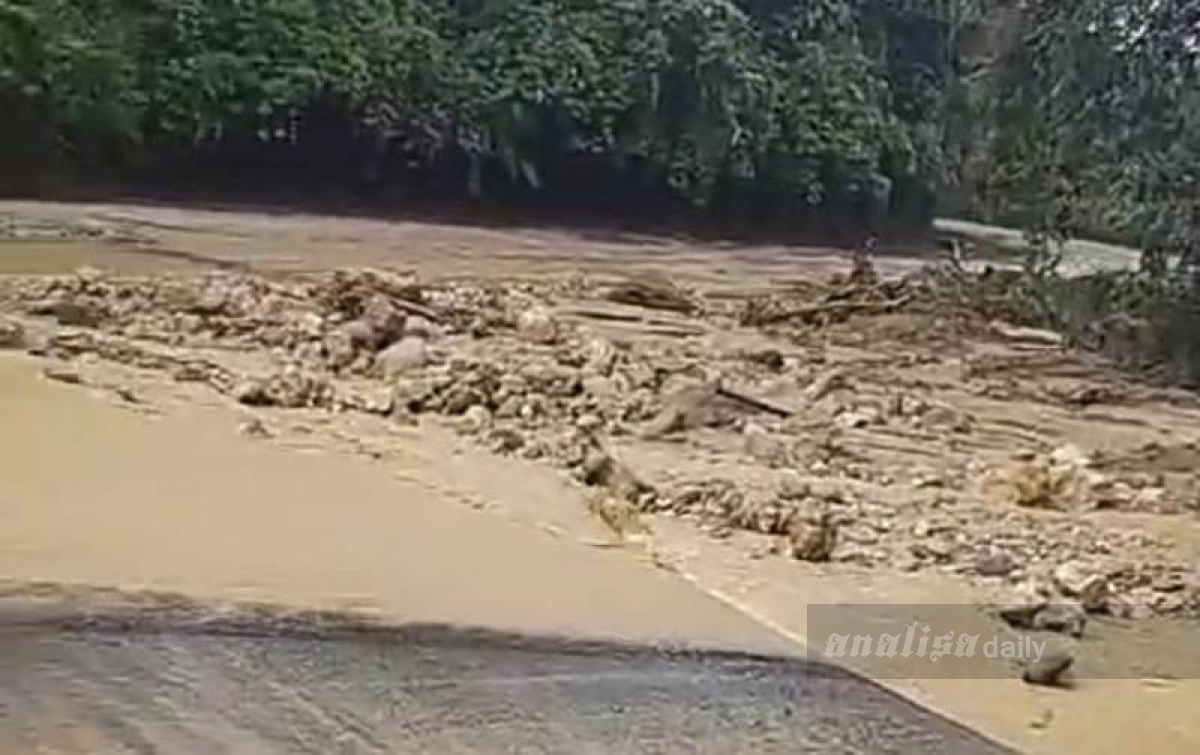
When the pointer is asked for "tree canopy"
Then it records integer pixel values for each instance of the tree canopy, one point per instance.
(768, 103)
(1061, 115)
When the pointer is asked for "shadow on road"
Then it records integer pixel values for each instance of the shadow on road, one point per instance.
(180, 677)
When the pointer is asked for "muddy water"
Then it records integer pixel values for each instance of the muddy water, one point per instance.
(169, 585)
(298, 241)
(58, 257)
(91, 493)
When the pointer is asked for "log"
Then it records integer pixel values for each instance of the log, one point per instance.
(751, 401)
(837, 310)
(650, 296)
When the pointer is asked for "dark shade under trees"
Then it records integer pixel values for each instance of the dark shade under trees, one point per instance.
(1057, 115)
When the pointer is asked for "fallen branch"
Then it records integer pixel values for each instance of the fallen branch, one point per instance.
(412, 308)
(836, 310)
(650, 295)
(751, 401)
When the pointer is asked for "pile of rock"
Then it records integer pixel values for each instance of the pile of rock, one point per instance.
(806, 521)
(508, 371)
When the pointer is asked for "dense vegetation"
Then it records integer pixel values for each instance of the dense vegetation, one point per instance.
(1060, 115)
(1094, 128)
(752, 107)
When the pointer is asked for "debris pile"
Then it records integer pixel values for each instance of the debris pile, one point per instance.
(855, 460)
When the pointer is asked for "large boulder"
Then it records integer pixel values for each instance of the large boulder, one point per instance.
(405, 356)
(70, 310)
(385, 320)
(1075, 580)
(812, 536)
(539, 325)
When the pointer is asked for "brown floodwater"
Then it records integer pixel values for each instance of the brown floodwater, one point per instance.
(170, 585)
(91, 493)
(58, 257)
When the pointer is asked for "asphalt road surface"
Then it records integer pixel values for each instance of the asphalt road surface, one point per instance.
(157, 683)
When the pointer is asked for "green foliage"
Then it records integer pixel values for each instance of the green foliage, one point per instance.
(67, 83)
(1098, 123)
(1098, 131)
(796, 103)
(1066, 117)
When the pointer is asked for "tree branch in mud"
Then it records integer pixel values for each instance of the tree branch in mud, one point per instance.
(412, 308)
(754, 403)
(651, 295)
(832, 311)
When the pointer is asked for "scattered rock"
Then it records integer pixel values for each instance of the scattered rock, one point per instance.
(538, 325)
(1063, 618)
(405, 356)
(63, 375)
(589, 423)
(506, 440)
(1035, 336)
(1043, 720)
(251, 392)
(691, 407)
(12, 335)
(928, 480)
(602, 469)
(995, 563)
(1070, 457)
(386, 322)
(859, 417)
(416, 326)
(1021, 615)
(1038, 484)
(1074, 580)
(548, 394)
(212, 300)
(938, 549)
(359, 333)
(1131, 611)
(289, 388)
(459, 398)
(375, 400)
(945, 417)
(651, 293)
(619, 514)
(762, 445)
(341, 347)
(812, 536)
(1049, 669)
(189, 323)
(78, 312)
(600, 357)
(253, 427)
(476, 419)
(772, 359)
(834, 379)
